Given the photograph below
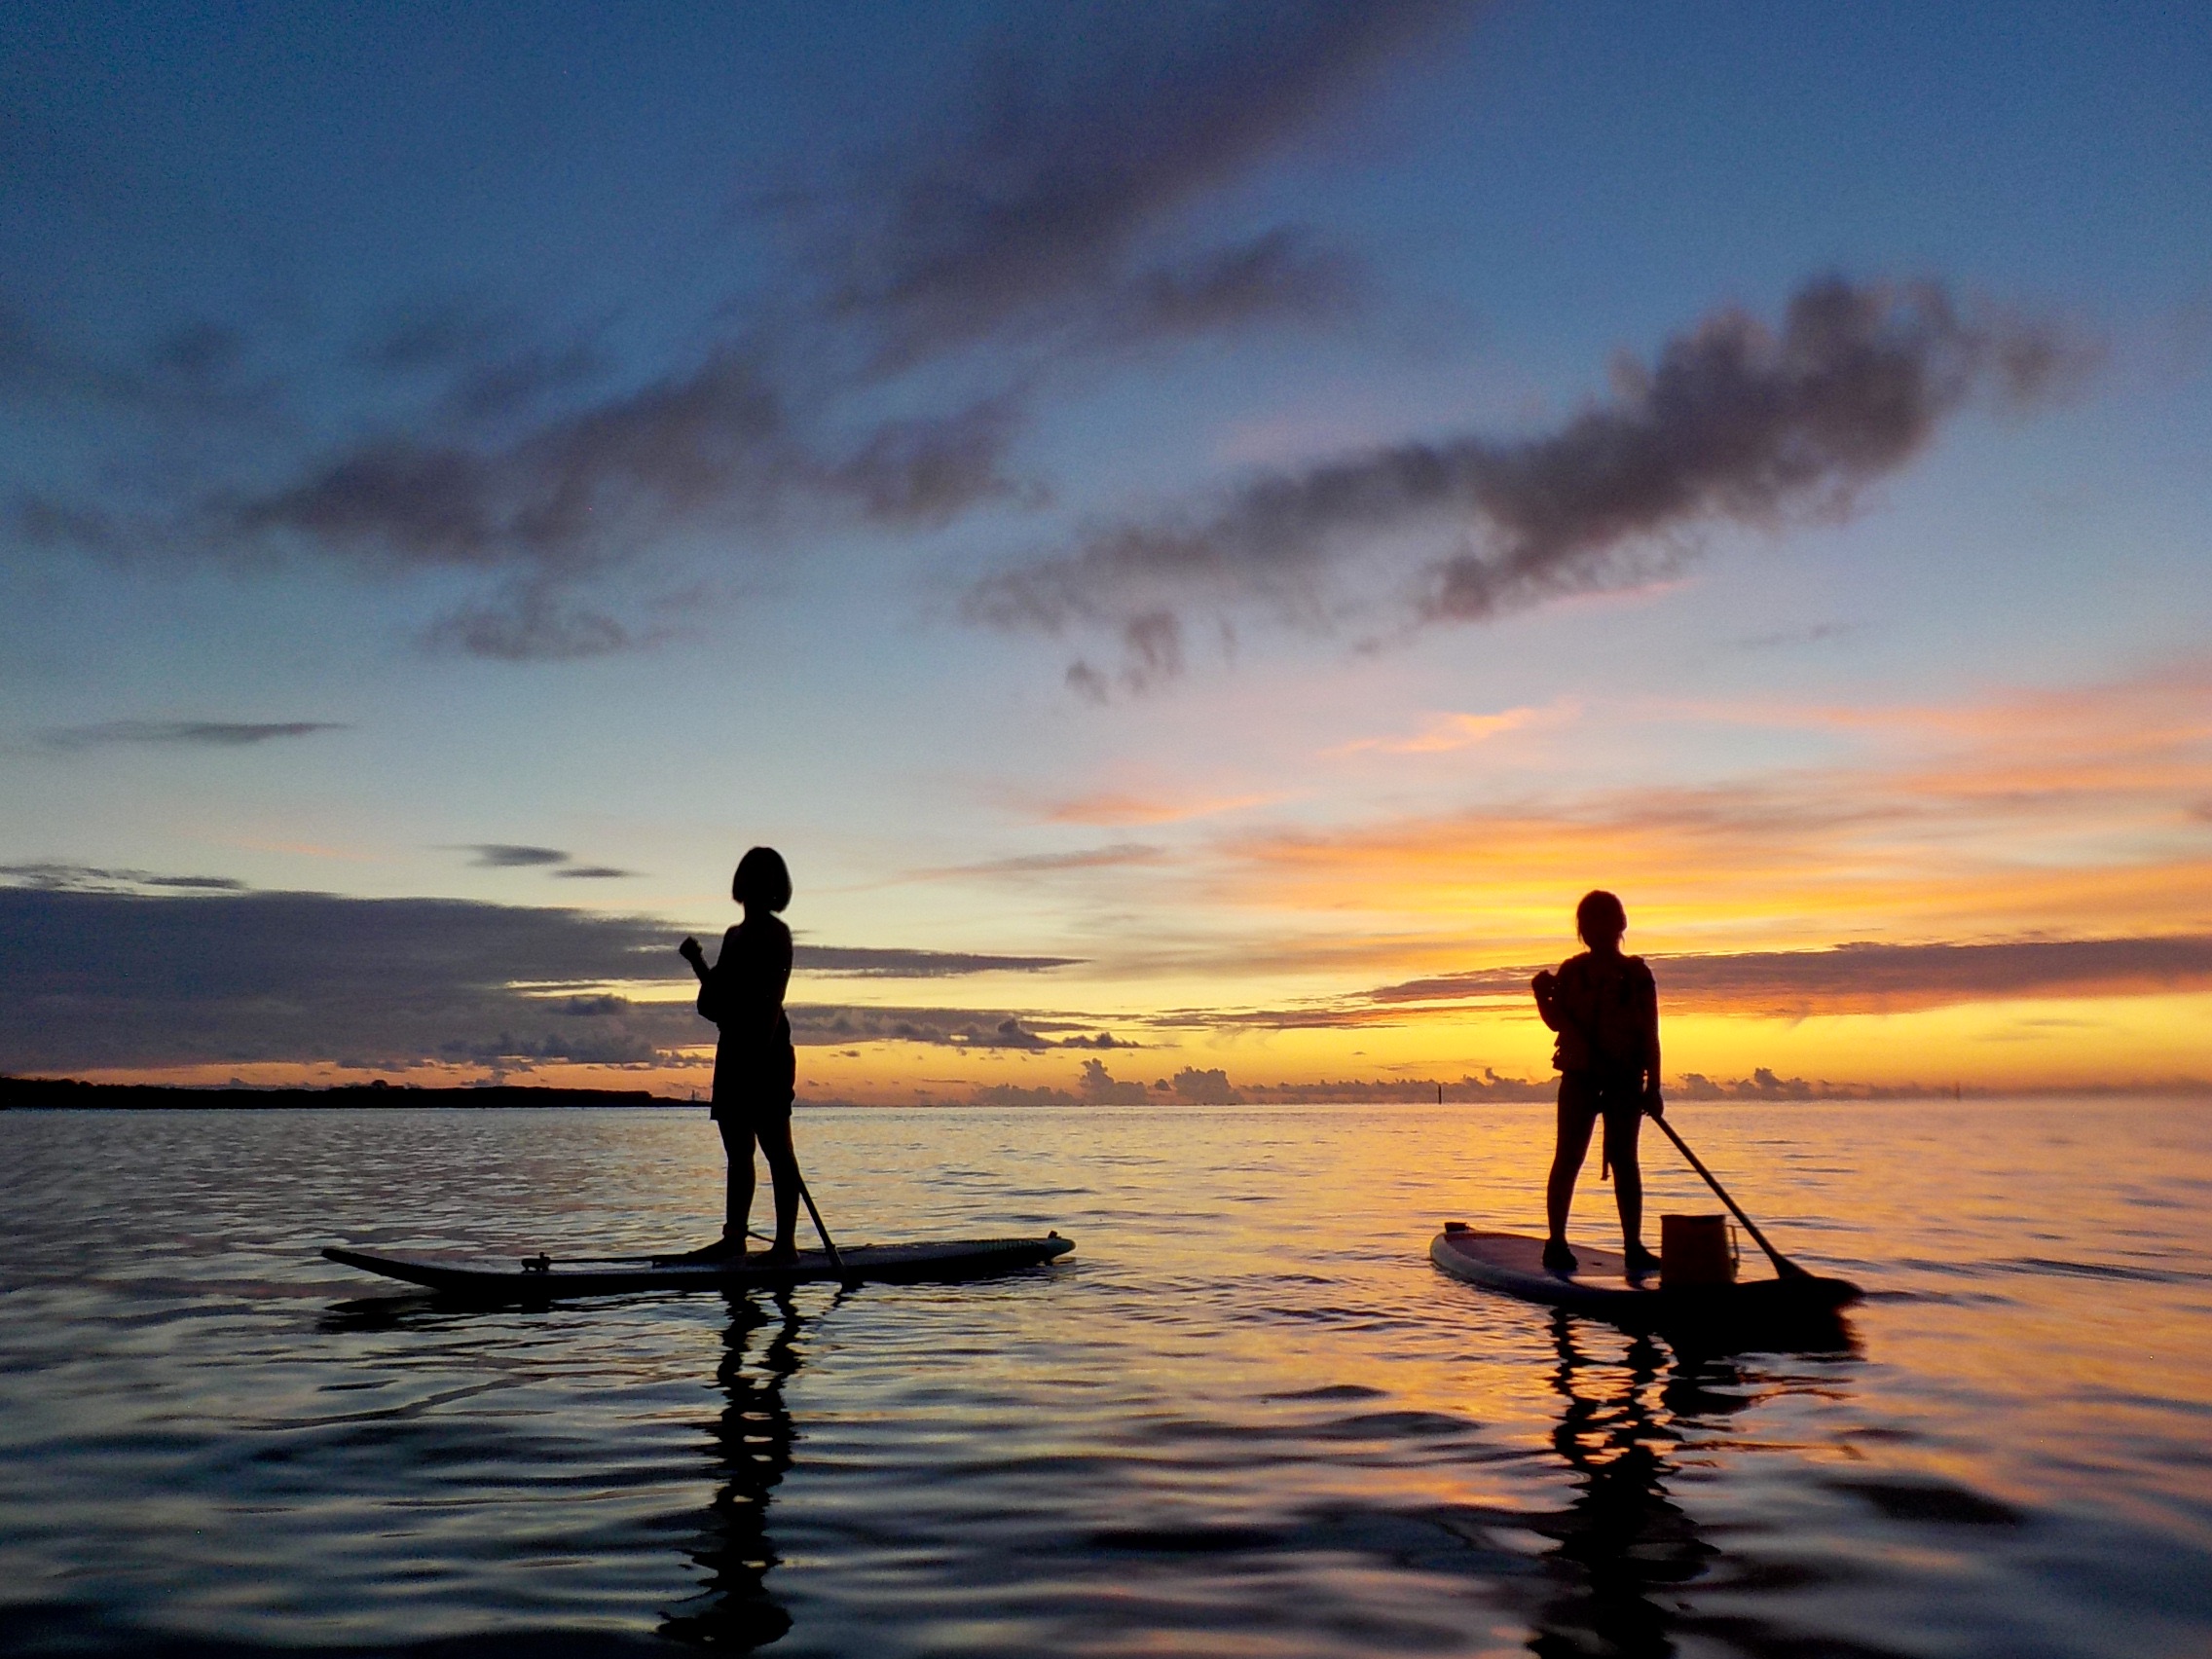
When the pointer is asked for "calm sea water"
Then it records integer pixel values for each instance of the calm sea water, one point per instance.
(1246, 1418)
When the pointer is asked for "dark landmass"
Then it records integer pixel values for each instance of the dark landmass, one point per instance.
(40, 1091)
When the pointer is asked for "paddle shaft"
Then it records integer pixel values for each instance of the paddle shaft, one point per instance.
(1783, 1265)
(828, 1243)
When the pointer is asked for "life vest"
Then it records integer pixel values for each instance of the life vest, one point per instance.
(1605, 1015)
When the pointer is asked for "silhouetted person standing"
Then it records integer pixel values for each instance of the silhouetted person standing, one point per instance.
(1605, 1009)
(755, 1067)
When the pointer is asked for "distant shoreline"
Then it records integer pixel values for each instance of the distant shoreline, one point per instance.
(36, 1093)
(71, 1093)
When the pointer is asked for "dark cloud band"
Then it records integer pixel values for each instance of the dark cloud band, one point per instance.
(507, 855)
(1875, 978)
(182, 734)
(94, 976)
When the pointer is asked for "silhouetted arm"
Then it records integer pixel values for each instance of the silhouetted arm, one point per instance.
(711, 988)
(1546, 988)
(1654, 1102)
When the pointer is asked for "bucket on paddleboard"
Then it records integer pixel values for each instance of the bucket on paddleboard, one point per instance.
(1695, 1250)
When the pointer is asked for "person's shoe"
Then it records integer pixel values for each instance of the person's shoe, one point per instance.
(1641, 1262)
(1558, 1258)
(780, 1256)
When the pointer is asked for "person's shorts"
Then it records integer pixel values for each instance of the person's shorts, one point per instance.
(749, 1114)
(1591, 1096)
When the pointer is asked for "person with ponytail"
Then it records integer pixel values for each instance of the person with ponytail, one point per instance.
(1605, 1007)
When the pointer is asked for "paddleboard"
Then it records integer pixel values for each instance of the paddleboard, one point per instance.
(1600, 1285)
(546, 1278)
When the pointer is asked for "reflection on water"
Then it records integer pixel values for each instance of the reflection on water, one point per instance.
(1622, 1539)
(1624, 1550)
(734, 1608)
(1245, 1417)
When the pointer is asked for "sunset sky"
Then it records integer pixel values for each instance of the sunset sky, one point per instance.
(1200, 530)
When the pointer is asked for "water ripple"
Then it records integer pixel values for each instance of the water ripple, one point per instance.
(1190, 1438)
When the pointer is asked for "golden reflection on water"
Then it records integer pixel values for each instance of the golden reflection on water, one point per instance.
(1246, 1417)
(1622, 1538)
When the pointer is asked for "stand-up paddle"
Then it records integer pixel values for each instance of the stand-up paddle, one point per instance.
(1795, 1305)
(1783, 1265)
(830, 1244)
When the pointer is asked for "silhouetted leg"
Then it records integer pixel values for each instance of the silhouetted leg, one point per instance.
(737, 1206)
(1622, 1125)
(775, 1132)
(1577, 1112)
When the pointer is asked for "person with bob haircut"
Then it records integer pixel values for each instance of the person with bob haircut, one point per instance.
(756, 1070)
(1605, 1009)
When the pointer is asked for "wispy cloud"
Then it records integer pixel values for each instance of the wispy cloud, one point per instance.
(488, 362)
(1442, 733)
(561, 865)
(1023, 208)
(1039, 203)
(181, 734)
(1120, 855)
(507, 855)
(1813, 634)
(948, 1028)
(1114, 808)
(1054, 206)
(563, 519)
(556, 497)
(196, 370)
(891, 962)
(1732, 422)
(2068, 813)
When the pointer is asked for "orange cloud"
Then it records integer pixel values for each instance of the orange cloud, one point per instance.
(1444, 732)
(1119, 809)
(2064, 814)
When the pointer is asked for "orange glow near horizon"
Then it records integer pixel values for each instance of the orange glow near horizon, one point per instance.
(2149, 1042)
(1256, 945)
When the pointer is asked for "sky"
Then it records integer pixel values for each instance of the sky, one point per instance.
(1198, 529)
